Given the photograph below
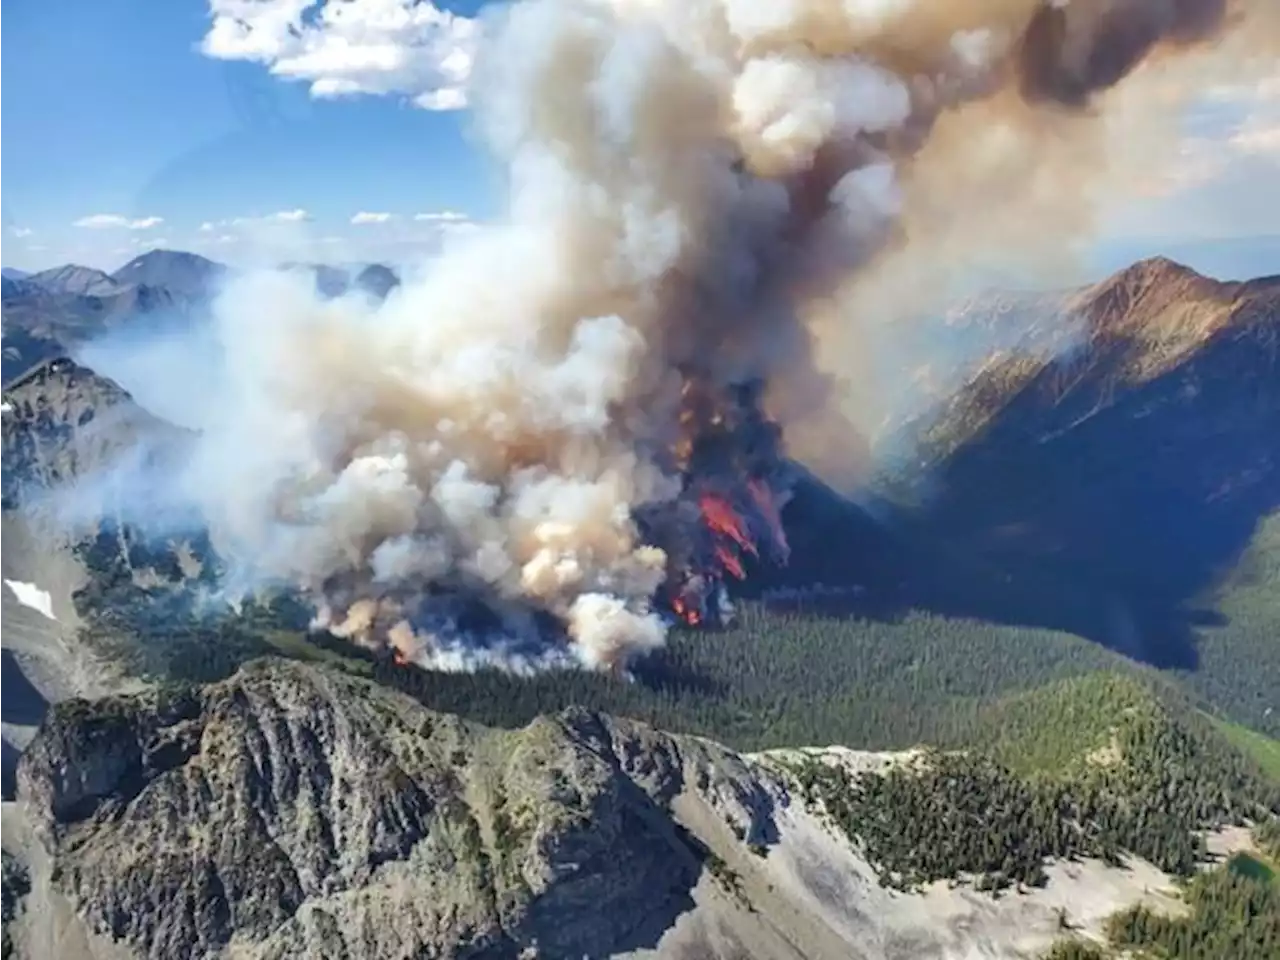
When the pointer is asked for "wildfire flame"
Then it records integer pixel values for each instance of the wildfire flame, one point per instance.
(686, 611)
(723, 520)
(729, 454)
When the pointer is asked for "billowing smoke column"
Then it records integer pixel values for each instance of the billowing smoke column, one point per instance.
(567, 429)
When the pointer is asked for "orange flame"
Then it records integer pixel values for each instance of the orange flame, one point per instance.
(721, 518)
(686, 612)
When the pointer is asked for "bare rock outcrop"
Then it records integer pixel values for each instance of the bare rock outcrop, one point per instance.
(295, 812)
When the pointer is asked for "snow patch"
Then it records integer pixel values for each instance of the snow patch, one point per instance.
(29, 595)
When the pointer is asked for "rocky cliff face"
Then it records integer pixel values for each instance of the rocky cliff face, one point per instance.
(291, 812)
(63, 422)
(294, 812)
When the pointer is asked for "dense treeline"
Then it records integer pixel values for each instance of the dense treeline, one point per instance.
(804, 675)
(1232, 914)
(955, 815)
(793, 677)
(1239, 668)
(1267, 835)
(1158, 780)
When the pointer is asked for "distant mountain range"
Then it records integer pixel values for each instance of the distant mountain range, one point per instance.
(188, 275)
(70, 278)
(1111, 472)
(51, 313)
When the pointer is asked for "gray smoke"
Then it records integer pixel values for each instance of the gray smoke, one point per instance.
(697, 189)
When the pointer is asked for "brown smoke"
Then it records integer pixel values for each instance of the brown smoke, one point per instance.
(576, 410)
(1071, 51)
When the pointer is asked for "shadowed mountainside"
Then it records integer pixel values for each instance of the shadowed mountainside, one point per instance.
(1107, 490)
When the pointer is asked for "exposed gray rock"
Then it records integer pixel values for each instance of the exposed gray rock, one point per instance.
(291, 812)
(294, 812)
(186, 274)
(72, 278)
(65, 423)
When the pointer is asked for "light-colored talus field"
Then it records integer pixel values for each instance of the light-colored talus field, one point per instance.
(292, 811)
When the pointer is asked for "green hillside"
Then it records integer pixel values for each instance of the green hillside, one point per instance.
(1239, 668)
(1232, 915)
(1232, 911)
(783, 679)
(1090, 766)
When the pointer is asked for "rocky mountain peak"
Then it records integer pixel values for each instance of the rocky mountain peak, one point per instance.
(1160, 308)
(181, 273)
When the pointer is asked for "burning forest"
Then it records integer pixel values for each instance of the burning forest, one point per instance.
(734, 482)
(569, 432)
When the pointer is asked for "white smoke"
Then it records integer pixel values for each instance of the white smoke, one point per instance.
(685, 176)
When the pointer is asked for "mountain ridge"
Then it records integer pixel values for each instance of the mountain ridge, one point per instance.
(324, 816)
(187, 274)
(75, 279)
(359, 820)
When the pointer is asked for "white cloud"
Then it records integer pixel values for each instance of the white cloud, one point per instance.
(109, 221)
(207, 227)
(289, 216)
(1264, 90)
(1240, 126)
(1258, 134)
(278, 216)
(21, 232)
(348, 47)
(442, 216)
(363, 218)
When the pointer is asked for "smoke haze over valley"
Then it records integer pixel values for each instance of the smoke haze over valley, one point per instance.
(709, 213)
(796, 394)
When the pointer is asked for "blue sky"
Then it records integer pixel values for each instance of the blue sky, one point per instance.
(164, 122)
(111, 108)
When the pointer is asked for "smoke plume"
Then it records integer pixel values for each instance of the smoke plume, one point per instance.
(573, 420)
